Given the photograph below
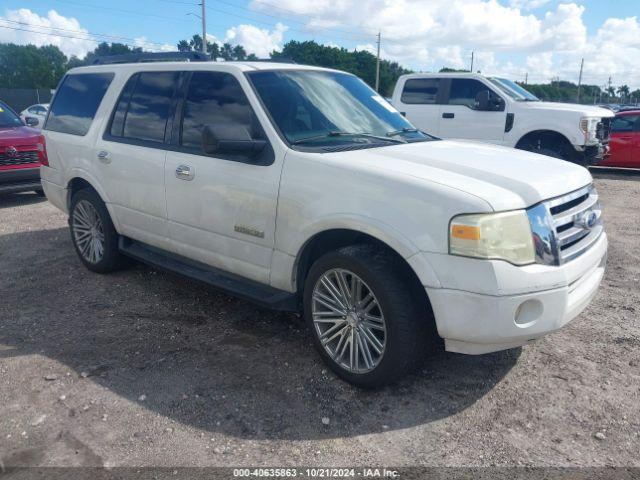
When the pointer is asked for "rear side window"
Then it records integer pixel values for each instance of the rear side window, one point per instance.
(464, 91)
(76, 102)
(144, 106)
(626, 123)
(421, 91)
(215, 98)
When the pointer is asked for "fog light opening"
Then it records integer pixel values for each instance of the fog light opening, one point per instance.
(528, 313)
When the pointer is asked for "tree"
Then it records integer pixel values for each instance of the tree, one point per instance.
(184, 46)
(361, 63)
(28, 66)
(611, 92)
(226, 52)
(623, 92)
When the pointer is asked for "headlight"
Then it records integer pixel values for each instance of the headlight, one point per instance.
(589, 125)
(504, 236)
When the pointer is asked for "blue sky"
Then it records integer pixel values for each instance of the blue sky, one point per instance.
(539, 39)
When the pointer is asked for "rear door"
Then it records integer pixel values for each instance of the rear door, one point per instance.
(221, 208)
(131, 155)
(461, 118)
(419, 100)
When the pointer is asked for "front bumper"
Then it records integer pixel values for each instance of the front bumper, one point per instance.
(476, 322)
(592, 154)
(19, 180)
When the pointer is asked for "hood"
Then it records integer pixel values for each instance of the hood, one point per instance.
(583, 110)
(18, 136)
(504, 177)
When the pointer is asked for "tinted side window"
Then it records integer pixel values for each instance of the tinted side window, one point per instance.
(215, 98)
(420, 90)
(464, 91)
(144, 106)
(76, 102)
(626, 123)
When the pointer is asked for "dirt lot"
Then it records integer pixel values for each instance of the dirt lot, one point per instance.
(144, 368)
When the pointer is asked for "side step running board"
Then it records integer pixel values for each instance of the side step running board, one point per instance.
(229, 283)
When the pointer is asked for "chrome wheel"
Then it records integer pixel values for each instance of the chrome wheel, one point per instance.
(349, 321)
(88, 231)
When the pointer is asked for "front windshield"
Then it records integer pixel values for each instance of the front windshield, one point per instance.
(514, 90)
(8, 119)
(317, 108)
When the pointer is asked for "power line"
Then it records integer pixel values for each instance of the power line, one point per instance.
(345, 34)
(58, 35)
(105, 36)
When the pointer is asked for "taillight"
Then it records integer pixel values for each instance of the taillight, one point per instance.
(42, 151)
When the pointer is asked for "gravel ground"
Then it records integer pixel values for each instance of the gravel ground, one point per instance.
(145, 368)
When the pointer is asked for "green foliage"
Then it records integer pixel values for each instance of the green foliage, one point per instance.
(562, 91)
(28, 66)
(360, 63)
(449, 69)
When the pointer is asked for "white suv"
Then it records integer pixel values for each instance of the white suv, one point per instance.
(301, 188)
(469, 106)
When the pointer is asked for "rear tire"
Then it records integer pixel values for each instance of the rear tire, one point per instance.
(395, 331)
(93, 234)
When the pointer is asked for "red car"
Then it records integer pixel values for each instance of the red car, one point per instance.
(22, 152)
(625, 141)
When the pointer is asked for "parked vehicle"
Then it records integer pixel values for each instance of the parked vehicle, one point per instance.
(495, 110)
(21, 152)
(625, 140)
(301, 188)
(38, 111)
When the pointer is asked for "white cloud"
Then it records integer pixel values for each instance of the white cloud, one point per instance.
(258, 41)
(510, 37)
(153, 47)
(528, 4)
(53, 23)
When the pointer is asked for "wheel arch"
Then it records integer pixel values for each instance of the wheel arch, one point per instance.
(79, 180)
(335, 238)
(552, 135)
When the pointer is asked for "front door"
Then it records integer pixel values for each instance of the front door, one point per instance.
(460, 117)
(221, 210)
(625, 141)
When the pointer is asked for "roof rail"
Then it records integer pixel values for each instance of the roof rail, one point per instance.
(153, 57)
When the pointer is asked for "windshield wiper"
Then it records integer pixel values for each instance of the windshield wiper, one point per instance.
(344, 134)
(393, 133)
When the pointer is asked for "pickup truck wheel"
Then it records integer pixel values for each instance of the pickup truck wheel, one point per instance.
(364, 320)
(92, 232)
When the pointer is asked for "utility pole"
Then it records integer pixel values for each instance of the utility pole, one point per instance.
(579, 79)
(204, 27)
(472, 52)
(377, 64)
(609, 89)
(526, 78)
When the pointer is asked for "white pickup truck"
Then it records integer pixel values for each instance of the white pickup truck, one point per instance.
(470, 106)
(302, 189)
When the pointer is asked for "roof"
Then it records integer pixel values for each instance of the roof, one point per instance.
(221, 66)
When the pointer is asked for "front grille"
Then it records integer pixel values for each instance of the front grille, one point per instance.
(603, 130)
(566, 227)
(20, 158)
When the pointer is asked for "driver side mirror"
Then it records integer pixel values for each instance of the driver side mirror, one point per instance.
(31, 121)
(232, 138)
(487, 101)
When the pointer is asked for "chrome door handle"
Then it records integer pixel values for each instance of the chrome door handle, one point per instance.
(103, 156)
(185, 172)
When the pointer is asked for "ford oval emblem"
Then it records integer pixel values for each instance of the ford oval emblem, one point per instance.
(587, 219)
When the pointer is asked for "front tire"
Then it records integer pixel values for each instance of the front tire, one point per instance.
(365, 319)
(93, 234)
